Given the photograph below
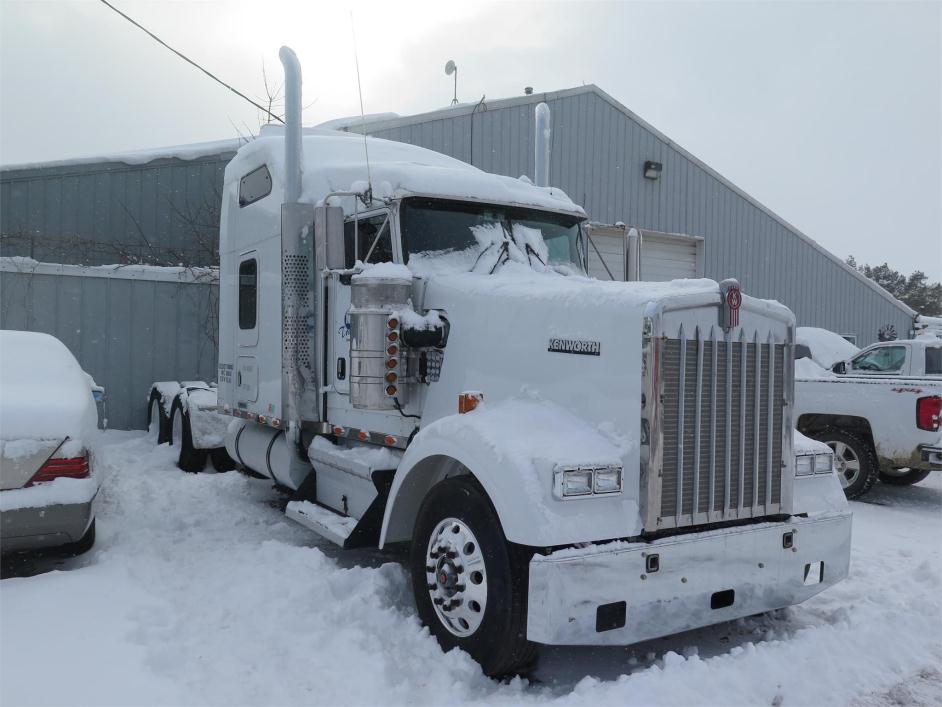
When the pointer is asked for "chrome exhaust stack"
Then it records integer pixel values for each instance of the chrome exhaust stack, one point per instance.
(541, 152)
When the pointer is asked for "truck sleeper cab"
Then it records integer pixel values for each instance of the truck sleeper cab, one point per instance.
(571, 461)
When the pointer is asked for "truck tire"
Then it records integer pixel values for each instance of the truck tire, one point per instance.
(158, 419)
(903, 477)
(854, 460)
(191, 459)
(470, 584)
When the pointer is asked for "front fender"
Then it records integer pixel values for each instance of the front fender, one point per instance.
(511, 449)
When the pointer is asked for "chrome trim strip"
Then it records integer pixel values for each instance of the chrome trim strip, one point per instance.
(755, 469)
(680, 422)
(696, 425)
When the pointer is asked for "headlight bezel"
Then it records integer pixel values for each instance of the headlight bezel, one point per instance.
(813, 463)
(562, 474)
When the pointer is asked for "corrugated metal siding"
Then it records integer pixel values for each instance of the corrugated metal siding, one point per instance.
(110, 212)
(597, 156)
(125, 333)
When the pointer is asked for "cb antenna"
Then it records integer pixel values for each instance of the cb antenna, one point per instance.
(368, 197)
(452, 68)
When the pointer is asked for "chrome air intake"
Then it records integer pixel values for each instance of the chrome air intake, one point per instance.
(377, 362)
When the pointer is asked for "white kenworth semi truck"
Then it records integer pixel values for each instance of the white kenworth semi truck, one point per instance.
(412, 347)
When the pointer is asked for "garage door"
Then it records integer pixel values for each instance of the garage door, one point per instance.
(606, 248)
(670, 256)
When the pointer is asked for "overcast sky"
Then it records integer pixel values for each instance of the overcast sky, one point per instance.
(829, 113)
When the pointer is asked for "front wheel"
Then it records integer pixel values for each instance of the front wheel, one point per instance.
(903, 477)
(854, 461)
(470, 584)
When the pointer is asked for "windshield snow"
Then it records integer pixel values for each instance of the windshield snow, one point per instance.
(455, 230)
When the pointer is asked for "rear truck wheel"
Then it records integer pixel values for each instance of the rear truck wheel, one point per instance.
(191, 459)
(903, 477)
(221, 459)
(470, 584)
(83, 544)
(854, 461)
(158, 419)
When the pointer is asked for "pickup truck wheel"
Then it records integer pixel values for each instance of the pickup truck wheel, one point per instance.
(469, 583)
(903, 477)
(854, 461)
(158, 419)
(191, 459)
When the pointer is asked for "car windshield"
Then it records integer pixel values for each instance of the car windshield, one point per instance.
(884, 359)
(431, 227)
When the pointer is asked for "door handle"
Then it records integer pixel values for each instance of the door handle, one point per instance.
(239, 379)
(341, 368)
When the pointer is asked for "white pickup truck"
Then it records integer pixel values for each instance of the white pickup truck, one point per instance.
(878, 409)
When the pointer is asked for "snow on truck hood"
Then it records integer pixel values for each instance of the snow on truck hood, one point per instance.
(45, 393)
(334, 161)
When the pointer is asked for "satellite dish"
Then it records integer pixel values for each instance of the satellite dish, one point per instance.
(450, 68)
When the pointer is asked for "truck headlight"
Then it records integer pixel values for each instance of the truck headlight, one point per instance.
(578, 482)
(608, 480)
(823, 463)
(804, 465)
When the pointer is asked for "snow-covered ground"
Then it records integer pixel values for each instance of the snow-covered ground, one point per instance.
(200, 592)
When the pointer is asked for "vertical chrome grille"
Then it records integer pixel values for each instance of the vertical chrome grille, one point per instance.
(723, 416)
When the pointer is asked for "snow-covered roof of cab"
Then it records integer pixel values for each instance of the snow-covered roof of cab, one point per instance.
(335, 161)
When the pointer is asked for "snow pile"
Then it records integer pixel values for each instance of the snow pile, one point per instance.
(51, 493)
(368, 455)
(806, 368)
(208, 427)
(386, 271)
(333, 161)
(410, 319)
(200, 592)
(827, 348)
(806, 445)
(45, 393)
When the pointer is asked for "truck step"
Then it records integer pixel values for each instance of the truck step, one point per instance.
(323, 521)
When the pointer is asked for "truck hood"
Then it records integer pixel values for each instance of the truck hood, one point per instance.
(568, 340)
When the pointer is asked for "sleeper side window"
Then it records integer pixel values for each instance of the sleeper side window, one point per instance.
(248, 293)
(374, 241)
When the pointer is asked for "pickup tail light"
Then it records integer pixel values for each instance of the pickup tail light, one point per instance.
(71, 468)
(928, 413)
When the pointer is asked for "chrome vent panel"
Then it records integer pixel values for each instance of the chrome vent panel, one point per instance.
(722, 424)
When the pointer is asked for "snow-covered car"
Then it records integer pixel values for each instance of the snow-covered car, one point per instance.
(48, 421)
(183, 414)
(880, 424)
(910, 358)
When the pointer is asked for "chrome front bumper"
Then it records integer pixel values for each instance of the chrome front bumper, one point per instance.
(612, 595)
(932, 453)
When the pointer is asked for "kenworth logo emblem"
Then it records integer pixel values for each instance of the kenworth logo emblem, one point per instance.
(575, 346)
(732, 301)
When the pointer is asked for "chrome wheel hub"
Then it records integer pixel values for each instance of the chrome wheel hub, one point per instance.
(846, 463)
(456, 577)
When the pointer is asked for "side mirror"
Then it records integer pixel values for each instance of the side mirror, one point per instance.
(328, 237)
(840, 368)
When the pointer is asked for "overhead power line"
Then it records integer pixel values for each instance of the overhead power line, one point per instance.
(190, 61)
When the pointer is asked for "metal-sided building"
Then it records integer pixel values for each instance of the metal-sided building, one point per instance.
(161, 208)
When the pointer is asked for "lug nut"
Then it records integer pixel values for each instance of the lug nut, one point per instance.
(429, 568)
(434, 554)
(432, 587)
(459, 587)
(438, 600)
(459, 568)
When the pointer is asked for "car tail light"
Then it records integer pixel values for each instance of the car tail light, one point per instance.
(71, 468)
(928, 411)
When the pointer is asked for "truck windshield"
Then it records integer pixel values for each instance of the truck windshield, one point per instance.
(434, 227)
